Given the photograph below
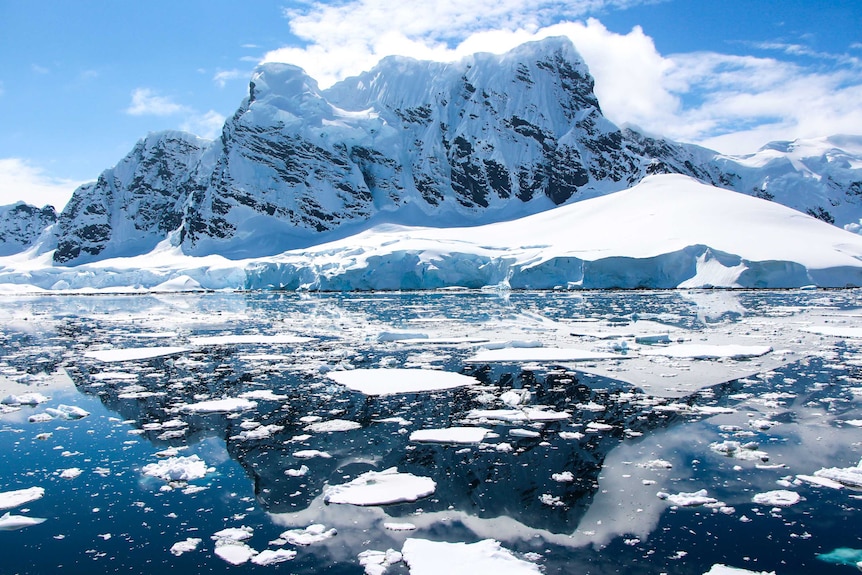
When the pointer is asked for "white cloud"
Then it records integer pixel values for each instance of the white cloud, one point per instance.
(207, 125)
(222, 77)
(147, 102)
(22, 181)
(733, 103)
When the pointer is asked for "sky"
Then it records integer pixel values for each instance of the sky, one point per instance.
(82, 81)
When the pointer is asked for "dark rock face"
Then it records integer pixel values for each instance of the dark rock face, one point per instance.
(21, 225)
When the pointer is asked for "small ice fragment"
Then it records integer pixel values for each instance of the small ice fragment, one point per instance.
(460, 435)
(70, 473)
(180, 547)
(234, 553)
(486, 556)
(564, 477)
(376, 562)
(656, 464)
(688, 499)
(399, 526)
(310, 453)
(67, 412)
(334, 425)
(303, 470)
(228, 404)
(526, 433)
(550, 500)
(398, 381)
(719, 569)
(178, 468)
(40, 418)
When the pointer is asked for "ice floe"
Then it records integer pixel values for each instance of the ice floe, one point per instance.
(835, 330)
(333, 425)
(777, 498)
(380, 488)
(720, 569)
(18, 497)
(179, 468)
(71, 473)
(703, 351)
(227, 404)
(693, 499)
(376, 562)
(134, 353)
(189, 544)
(312, 534)
(230, 546)
(273, 556)
(524, 354)
(33, 398)
(249, 339)
(67, 412)
(397, 380)
(847, 476)
(9, 522)
(534, 414)
(450, 435)
(311, 454)
(487, 556)
(744, 451)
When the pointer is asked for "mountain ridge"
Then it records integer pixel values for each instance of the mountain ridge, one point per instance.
(488, 138)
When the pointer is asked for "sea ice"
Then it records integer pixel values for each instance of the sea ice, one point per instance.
(33, 398)
(180, 547)
(18, 497)
(230, 547)
(376, 562)
(380, 488)
(522, 354)
(487, 556)
(273, 556)
(688, 499)
(517, 415)
(847, 476)
(311, 453)
(777, 498)
(333, 425)
(703, 351)
(392, 381)
(834, 330)
(9, 522)
(450, 435)
(719, 569)
(178, 468)
(219, 405)
(310, 535)
(281, 338)
(744, 451)
(67, 412)
(134, 353)
(71, 473)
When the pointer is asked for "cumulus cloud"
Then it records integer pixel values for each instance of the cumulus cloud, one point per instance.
(20, 180)
(729, 102)
(145, 102)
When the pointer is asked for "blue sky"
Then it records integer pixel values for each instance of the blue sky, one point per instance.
(81, 81)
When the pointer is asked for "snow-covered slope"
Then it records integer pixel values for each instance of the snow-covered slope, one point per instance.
(22, 225)
(668, 231)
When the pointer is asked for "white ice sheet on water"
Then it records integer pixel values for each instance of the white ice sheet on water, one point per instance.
(380, 488)
(18, 497)
(450, 435)
(521, 354)
(234, 339)
(134, 353)
(487, 556)
(393, 381)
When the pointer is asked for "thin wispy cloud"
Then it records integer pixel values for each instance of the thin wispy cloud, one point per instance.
(734, 103)
(22, 179)
(207, 125)
(146, 102)
(222, 77)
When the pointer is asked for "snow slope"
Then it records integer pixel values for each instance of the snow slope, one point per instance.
(668, 231)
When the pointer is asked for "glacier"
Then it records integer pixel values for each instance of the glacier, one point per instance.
(669, 231)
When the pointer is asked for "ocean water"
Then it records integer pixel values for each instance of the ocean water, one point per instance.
(579, 494)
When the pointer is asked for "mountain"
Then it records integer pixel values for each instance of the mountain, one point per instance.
(491, 138)
(21, 225)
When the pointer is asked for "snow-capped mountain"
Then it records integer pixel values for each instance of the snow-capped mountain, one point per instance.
(21, 225)
(487, 139)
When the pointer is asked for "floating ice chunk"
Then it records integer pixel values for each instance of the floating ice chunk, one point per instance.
(310, 535)
(333, 425)
(688, 499)
(656, 464)
(18, 497)
(273, 556)
(821, 481)
(777, 498)
(487, 556)
(525, 433)
(399, 526)
(281, 338)
(310, 454)
(134, 353)
(516, 397)
(719, 569)
(834, 330)
(180, 547)
(118, 375)
(303, 470)
(703, 351)
(380, 488)
(178, 468)
(450, 435)
(550, 500)
(233, 534)
(392, 381)
(591, 406)
(517, 415)
(400, 335)
(67, 412)
(9, 522)
(745, 452)
(71, 473)
(219, 405)
(843, 556)
(847, 476)
(235, 553)
(376, 562)
(32, 398)
(40, 418)
(263, 395)
(564, 477)
(523, 354)
(596, 426)
(259, 432)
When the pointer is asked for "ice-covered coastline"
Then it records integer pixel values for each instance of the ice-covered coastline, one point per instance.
(669, 231)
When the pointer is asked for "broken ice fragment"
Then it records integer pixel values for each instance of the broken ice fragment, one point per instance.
(10, 522)
(18, 497)
(380, 488)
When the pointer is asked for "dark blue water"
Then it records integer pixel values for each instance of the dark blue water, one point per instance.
(113, 518)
